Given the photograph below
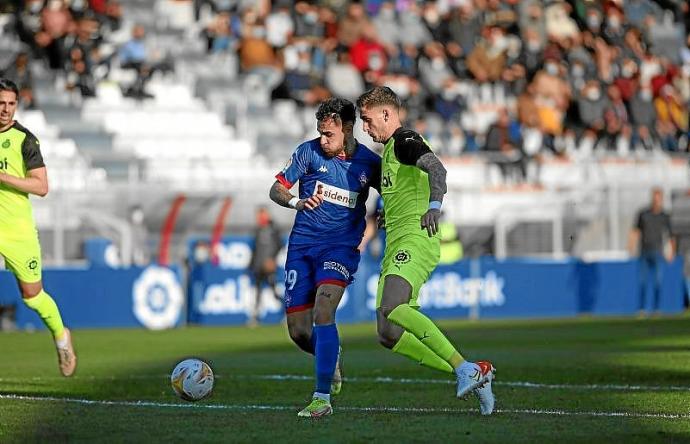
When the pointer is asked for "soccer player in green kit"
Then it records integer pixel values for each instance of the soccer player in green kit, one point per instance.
(413, 182)
(22, 172)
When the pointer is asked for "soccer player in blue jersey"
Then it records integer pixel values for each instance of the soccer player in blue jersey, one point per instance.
(335, 173)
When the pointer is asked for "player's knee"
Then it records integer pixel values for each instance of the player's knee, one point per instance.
(387, 339)
(323, 316)
(300, 334)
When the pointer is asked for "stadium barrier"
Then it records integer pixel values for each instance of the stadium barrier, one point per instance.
(153, 296)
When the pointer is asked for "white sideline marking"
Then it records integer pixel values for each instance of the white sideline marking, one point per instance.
(387, 380)
(249, 407)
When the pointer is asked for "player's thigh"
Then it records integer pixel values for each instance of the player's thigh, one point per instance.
(300, 324)
(328, 297)
(300, 287)
(23, 259)
(412, 259)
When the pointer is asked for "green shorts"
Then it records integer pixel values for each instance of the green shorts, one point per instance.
(22, 257)
(412, 257)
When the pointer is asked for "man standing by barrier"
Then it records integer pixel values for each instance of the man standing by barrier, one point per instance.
(652, 234)
(335, 173)
(413, 182)
(267, 245)
(22, 172)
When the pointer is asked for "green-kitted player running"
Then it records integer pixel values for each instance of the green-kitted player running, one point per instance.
(22, 172)
(413, 182)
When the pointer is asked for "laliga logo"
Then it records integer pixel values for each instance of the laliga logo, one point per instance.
(158, 298)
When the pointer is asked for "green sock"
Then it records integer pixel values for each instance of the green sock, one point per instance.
(413, 348)
(425, 330)
(46, 308)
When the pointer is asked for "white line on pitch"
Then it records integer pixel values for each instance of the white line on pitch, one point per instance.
(387, 380)
(250, 407)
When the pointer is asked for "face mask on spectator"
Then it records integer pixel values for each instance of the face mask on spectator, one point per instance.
(593, 94)
(533, 45)
(578, 71)
(311, 17)
(401, 88)
(627, 72)
(614, 22)
(551, 68)
(500, 43)
(78, 5)
(303, 66)
(259, 32)
(375, 62)
(646, 95)
(437, 63)
(593, 21)
(431, 16)
(448, 94)
(35, 7)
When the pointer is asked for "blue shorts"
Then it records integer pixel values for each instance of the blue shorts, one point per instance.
(307, 267)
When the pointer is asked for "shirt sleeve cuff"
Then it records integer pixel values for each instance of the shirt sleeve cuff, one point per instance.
(286, 183)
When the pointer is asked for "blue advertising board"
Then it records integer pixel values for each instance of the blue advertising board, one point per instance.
(224, 294)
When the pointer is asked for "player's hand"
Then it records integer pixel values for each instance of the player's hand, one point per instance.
(313, 201)
(430, 221)
(381, 220)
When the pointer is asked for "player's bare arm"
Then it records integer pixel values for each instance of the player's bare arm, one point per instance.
(411, 149)
(431, 165)
(283, 197)
(36, 181)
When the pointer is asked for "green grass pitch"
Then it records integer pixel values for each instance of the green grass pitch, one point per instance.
(581, 380)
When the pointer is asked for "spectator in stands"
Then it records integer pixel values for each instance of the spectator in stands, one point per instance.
(502, 148)
(279, 26)
(617, 130)
(257, 57)
(351, 25)
(651, 240)
(343, 79)
(464, 27)
(28, 24)
(488, 58)
(267, 244)
(672, 116)
(387, 25)
(79, 77)
(591, 105)
(219, 33)
(301, 82)
(56, 21)
(19, 71)
(434, 70)
(134, 55)
(368, 55)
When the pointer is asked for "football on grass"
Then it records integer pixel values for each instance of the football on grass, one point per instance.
(192, 379)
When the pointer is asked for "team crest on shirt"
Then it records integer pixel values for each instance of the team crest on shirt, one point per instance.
(363, 179)
(402, 257)
(6, 143)
(32, 265)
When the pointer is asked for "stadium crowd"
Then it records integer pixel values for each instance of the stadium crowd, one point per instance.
(512, 80)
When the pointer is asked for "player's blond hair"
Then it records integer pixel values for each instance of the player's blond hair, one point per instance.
(379, 96)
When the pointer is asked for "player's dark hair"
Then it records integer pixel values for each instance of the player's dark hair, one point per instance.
(9, 85)
(337, 108)
(378, 96)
